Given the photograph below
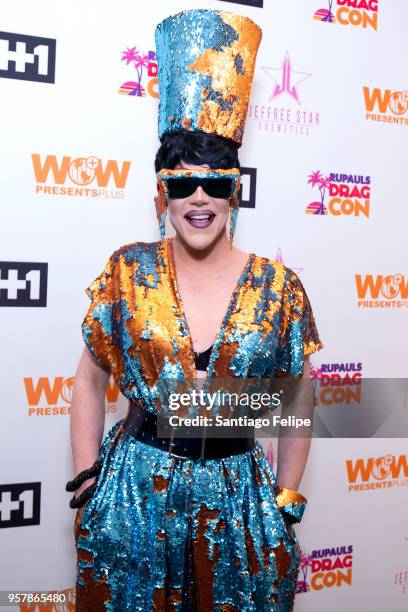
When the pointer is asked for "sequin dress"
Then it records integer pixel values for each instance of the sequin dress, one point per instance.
(167, 534)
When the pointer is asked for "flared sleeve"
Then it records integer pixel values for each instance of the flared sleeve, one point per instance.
(98, 329)
(298, 334)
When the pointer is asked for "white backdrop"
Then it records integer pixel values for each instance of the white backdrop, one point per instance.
(83, 115)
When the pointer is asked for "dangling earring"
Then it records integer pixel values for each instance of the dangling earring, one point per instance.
(162, 226)
(161, 210)
(234, 210)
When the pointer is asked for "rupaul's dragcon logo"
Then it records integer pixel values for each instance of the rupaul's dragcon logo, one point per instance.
(340, 194)
(336, 383)
(325, 568)
(360, 13)
(282, 111)
(383, 290)
(53, 397)
(144, 69)
(377, 472)
(79, 176)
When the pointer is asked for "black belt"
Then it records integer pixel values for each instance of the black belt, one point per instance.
(142, 425)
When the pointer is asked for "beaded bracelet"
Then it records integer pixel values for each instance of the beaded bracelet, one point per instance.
(72, 485)
(77, 502)
(291, 502)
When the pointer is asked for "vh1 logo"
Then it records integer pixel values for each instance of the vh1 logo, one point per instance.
(247, 192)
(28, 58)
(20, 504)
(23, 283)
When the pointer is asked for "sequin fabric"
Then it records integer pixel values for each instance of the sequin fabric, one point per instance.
(168, 534)
(206, 62)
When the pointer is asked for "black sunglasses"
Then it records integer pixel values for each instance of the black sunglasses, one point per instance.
(214, 187)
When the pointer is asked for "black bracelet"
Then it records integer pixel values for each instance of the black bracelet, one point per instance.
(77, 502)
(72, 485)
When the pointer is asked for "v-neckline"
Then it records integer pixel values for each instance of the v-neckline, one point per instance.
(231, 304)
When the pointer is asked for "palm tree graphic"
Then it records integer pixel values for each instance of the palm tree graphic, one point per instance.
(315, 375)
(330, 15)
(140, 62)
(304, 564)
(322, 182)
(325, 14)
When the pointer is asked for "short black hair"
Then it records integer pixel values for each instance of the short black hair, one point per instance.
(196, 148)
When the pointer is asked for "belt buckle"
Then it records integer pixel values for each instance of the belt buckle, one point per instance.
(171, 454)
(171, 444)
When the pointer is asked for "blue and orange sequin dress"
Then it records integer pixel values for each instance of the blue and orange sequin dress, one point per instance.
(167, 534)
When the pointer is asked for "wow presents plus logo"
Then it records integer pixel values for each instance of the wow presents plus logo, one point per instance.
(337, 383)
(281, 110)
(381, 290)
(377, 473)
(143, 67)
(50, 601)
(325, 568)
(53, 397)
(340, 194)
(386, 105)
(360, 13)
(79, 176)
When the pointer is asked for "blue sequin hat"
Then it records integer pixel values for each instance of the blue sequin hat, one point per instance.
(206, 61)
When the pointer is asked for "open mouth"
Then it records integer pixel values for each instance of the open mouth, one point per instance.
(202, 218)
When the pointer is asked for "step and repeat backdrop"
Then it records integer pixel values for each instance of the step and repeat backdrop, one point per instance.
(323, 191)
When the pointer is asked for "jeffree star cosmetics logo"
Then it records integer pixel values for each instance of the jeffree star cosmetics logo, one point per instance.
(286, 79)
(292, 119)
(279, 259)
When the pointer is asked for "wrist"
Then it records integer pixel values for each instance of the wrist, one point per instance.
(84, 485)
(291, 502)
(90, 472)
(77, 501)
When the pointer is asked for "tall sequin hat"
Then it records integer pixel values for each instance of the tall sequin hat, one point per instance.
(206, 62)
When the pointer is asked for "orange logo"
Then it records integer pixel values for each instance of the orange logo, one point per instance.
(80, 176)
(386, 105)
(51, 398)
(377, 473)
(390, 291)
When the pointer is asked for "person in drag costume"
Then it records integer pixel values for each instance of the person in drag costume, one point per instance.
(170, 523)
